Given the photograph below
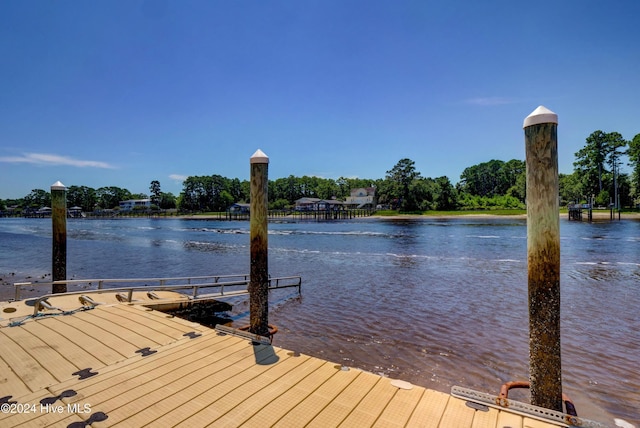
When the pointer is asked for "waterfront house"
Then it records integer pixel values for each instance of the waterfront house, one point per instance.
(361, 197)
(239, 208)
(317, 204)
(329, 205)
(307, 204)
(132, 204)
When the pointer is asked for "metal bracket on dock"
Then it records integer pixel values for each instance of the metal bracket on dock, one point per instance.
(522, 409)
(256, 338)
(88, 301)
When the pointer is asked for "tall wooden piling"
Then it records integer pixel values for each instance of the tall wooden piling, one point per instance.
(259, 281)
(59, 235)
(543, 258)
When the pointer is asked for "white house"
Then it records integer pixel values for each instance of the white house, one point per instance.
(361, 197)
(133, 203)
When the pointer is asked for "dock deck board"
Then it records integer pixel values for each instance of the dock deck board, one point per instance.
(199, 380)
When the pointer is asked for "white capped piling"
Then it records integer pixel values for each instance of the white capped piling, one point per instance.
(259, 272)
(59, 236)
(543, 258)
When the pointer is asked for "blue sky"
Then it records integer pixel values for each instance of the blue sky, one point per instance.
(120, 93)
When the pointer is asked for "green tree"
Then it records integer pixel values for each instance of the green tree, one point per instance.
(615, 149)
(490, 178)
(194, 194)
(156, 192)
(590, 162)
(83, 197)
(601, 150)
(237, 190)
(167, 201)
(570, 188)
(634, 162)
(327, 189)
(422, 194)
(446, 196)
(625, 198)
(211, 193)
(400, 177)
(110, 197)
(37, 199)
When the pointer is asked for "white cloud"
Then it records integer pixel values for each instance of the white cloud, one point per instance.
(178, 177)
(49, 159)
(490, 101)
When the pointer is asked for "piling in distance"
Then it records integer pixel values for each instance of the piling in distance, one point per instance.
(59, 236)
(543, 258)
(259, 272)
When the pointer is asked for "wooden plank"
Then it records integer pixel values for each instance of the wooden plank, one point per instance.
(183, 325)
(271, 389)
(145, 375)
(505, 420)
(83, 338)
(340, 407)
(27, 368)
(32, 401)
(213, 401)
(43, 353)
(536, 423)
(166, 355)
(156, 391)
(140, 315)
(10, 383)
(114, 338)
(233, 408)
(321, 396)
(44, 419)
(67, 349)
(34, 413)
(371, 406)
(457, 414)
(489, 419)
(400, 408)
(123, 326)
(429, 409)
(316, 372)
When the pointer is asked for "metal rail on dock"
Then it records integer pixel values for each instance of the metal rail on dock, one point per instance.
(196, 281)
(196, 289)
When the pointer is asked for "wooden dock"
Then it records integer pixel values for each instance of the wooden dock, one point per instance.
(127, 365)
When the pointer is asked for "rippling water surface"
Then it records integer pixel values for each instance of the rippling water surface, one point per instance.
(438, 302)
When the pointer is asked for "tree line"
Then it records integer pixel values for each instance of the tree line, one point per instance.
(597, 177)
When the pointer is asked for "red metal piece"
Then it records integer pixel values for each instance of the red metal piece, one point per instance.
(503, 399)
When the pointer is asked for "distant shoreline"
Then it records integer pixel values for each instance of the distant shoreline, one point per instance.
(597, 215)
(7, 279)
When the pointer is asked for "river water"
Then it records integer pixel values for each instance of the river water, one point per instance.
(437, 302)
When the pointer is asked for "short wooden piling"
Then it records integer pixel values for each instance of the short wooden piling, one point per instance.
(259, 270)
(543, 258)
(59, 236)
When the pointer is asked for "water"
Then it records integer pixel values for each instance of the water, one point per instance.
(437, 302)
